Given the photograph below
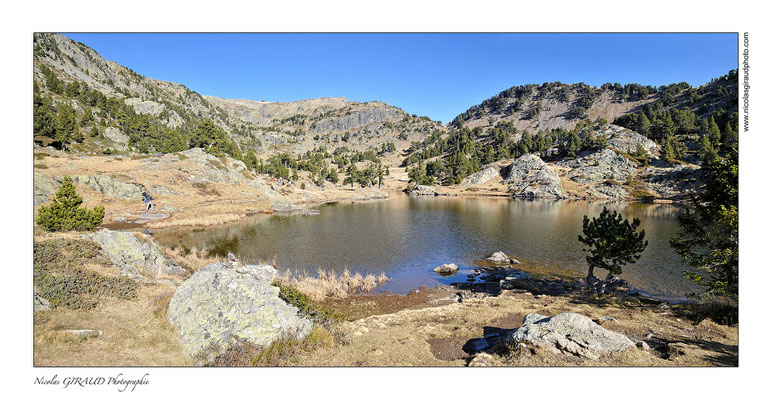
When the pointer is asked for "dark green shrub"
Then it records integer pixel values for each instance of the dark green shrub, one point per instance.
(65, 214)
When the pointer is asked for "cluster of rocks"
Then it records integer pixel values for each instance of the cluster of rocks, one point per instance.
(500, 257)
(356, 120)
(627, 141)
(423, 190)
(110, 186)
(224, 302)
(670, 182)
(530, 177)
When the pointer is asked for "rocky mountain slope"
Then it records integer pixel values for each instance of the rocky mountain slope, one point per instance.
(67, 70)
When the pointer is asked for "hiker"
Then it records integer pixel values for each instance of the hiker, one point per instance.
(148, 200)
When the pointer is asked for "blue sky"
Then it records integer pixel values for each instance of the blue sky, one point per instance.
(439, 75)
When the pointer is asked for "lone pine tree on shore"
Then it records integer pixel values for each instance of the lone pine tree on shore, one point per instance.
(612, 242)
(65, 213)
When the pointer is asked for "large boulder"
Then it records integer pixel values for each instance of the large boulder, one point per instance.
(39, 303)
(530, 177)
(500, 257)
(482, 177)
(223, 302)
(568, 333)
(134, 257)
(43, 188)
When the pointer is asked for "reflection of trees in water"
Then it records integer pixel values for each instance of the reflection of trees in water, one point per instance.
(221, 246)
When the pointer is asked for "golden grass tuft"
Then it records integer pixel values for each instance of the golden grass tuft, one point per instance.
(190, 260)
(327, 284)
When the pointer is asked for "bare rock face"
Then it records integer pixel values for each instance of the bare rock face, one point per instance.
(482, 177)
(600, 166)
(569, 333)
(120, 140)
(627, 141)
(422, 190)
(110, 186)
(356, 120)
(530, 177)
(223, 302)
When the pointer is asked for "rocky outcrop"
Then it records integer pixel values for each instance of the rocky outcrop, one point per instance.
(530, 177)
(482, 177)
(134, 257)
(356, 120)
(111, 187)
(120, 140)
(568, 333)
(223, 302)
(670, 182)
(446, 269)
(627, 141)
(422, 190)
(599, 167)
(608, 190)
(145, 106)
(43, 188)
(500, 257)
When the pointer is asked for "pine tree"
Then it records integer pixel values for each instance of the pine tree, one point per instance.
(612, 242)
(708, 240)
(65, 214)
(714, 131)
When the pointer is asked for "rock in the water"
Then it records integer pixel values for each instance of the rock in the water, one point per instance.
(571, 333)
(482, 177)
(500, 257)
(422, 190)
(44, 187)
(221, 303)
(446, 269)
(530, 177)
(133, 257)
(39, 303)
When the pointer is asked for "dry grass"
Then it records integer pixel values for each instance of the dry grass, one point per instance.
(135, 333)
(330, 285)
(191, 260)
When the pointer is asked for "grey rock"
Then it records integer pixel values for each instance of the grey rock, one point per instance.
(599, 167)
(111, 187)
(119, 139)
(43, 188)
(482, 177)
(530, 177)
(355, 120)
(500, 257)
(85, 333)
(223, 302)
(668, 182)
(627, 141)
(133, 257)
(423, 190)
(446, 269)
(608, 190)
(39, 303)
(569, 333)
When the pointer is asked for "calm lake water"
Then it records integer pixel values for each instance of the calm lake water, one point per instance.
(407, 237)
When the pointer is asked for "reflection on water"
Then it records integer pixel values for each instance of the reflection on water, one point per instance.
(406, 237)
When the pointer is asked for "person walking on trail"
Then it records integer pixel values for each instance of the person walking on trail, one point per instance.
(148, 200)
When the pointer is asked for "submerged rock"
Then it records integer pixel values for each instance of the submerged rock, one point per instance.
(223, 302)
(446, 269)
(133, 257)
(570, 333)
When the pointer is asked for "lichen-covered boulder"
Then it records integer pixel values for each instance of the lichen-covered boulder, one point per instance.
(111, 187)
(44, 187)
(134, 257)
(482, 177)
(570, 333)
(223, 302)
